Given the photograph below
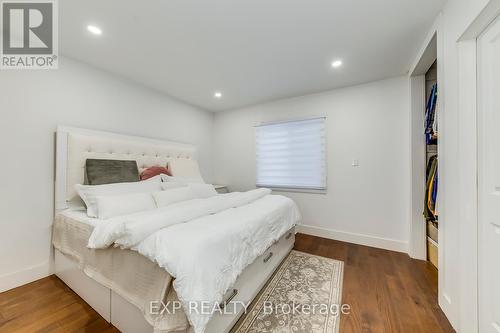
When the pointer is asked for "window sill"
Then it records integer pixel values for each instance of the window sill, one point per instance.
(295, 190)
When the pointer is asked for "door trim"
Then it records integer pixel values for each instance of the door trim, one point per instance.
(468, 309)
(483, 175)
(417, 245)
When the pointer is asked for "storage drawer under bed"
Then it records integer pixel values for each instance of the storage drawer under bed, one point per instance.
(129, 319)
(251, 281)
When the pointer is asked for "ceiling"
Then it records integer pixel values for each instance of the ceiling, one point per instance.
(252, 51)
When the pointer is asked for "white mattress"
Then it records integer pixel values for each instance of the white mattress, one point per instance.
(79, 214)
(126, 272)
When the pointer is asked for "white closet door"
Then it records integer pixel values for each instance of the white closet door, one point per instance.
(489, 178)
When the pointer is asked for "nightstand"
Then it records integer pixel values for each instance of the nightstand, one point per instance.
(221, 188)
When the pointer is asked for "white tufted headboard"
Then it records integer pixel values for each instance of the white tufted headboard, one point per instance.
(75, 145)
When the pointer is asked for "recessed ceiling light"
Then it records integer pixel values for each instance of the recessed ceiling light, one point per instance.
(336, 63)
(218, 94)
(95, 30)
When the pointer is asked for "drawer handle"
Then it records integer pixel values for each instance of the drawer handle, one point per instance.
(288, 236)
(229, 299)
(269, 256)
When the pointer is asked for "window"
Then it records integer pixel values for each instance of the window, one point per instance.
(291, 154)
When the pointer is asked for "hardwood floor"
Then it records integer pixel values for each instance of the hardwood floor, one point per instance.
(48, 305)
(387, 292)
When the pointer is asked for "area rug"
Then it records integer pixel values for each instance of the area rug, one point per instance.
(303, 296)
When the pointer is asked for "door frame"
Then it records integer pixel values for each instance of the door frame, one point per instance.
(417, 247)
(468, 309)
(481, 151)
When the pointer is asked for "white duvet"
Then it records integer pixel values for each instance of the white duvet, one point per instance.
(205, 244)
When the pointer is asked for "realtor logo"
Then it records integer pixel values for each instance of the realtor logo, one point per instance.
(29, 35)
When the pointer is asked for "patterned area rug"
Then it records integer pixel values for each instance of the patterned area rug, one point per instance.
(303, 297)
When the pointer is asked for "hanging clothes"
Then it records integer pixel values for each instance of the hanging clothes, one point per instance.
(431, 190)
(430, 113)
(433, 197)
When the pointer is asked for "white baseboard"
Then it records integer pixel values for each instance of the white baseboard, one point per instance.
(27, 275)
(349, 237)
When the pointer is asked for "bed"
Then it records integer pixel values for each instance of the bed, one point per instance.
(121, 283)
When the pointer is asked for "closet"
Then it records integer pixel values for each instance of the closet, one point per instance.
(431, 182)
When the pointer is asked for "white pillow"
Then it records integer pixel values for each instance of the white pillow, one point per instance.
(185, 168)
(171, 185)
(109, 206)
(171, 196)
(203, 190)
(182, 180)
(88, 193)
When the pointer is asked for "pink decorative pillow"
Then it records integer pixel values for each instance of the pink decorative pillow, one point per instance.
(154, 171)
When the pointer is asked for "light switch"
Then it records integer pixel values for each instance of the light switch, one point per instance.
(355, 162)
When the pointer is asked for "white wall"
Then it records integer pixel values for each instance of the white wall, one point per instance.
(366, 204)
(32, 104)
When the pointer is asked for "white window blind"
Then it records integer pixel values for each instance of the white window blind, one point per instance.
(291, 154)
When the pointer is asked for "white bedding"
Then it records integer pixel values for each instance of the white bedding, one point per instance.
(205, 244)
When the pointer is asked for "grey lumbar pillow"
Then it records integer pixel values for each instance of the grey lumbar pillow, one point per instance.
(100, 172)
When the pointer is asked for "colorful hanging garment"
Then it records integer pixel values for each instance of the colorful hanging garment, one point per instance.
(431, 190)
(430, 112)
(433, 197)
